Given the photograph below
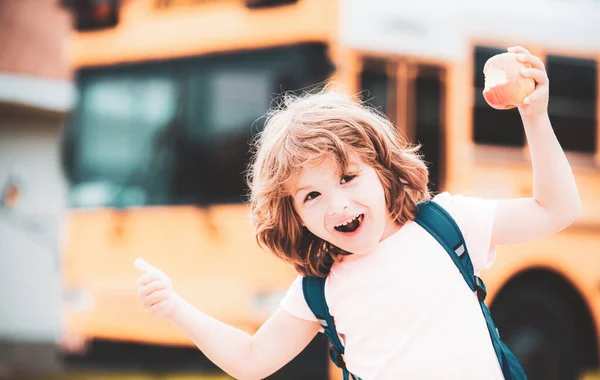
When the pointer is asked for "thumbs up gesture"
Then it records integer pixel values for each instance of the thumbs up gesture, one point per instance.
(155, 290)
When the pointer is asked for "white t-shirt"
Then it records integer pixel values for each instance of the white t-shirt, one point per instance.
(405, 311)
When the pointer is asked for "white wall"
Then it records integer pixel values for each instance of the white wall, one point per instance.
(29, 234)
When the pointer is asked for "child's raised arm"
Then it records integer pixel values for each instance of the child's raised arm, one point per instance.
(242, 356)
(555, 203)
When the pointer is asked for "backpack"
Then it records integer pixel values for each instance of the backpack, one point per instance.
(435, 220)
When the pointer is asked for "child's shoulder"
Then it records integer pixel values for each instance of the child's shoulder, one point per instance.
(442, 197)
(450, 202)
(460, 206)
(447, 199)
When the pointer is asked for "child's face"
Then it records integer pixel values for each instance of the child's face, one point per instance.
(346, 209)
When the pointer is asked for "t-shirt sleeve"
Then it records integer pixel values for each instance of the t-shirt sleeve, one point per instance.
(294, 303)
(475, 218)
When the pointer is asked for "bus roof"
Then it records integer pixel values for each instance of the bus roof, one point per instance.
(446, 29)
(439, 29)
(147, 31)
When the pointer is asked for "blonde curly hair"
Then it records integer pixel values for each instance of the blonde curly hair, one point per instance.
(305, 130)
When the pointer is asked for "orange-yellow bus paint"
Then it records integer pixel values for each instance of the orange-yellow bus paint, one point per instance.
(215, 262)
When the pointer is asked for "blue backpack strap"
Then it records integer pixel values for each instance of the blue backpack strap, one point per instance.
(314, 293)
(435, 220)
(438, 222)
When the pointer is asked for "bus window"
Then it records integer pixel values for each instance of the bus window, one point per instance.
(177, 132)
(378, 88)
(227, 99)
(268, 3)
(428, 89)
(119, 113)
(573, 99)
(492, 126)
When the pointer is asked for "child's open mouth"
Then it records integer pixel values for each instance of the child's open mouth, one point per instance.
(351, 224)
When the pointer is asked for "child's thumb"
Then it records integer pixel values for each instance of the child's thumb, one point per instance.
(141, 265)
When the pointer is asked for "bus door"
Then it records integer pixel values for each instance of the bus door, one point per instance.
(412, 95)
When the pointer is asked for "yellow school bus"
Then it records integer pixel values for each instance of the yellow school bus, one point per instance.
(170, 91)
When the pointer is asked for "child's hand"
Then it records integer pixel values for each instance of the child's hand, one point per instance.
(155, 290)
(537, 102)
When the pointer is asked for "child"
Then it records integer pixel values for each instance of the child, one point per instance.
(334, 191)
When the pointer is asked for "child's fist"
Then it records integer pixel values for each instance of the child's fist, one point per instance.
(535, 103)
(505, 87)
(517, 79)
(155, 290)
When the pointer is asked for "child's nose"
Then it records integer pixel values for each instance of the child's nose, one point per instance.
(338, 205)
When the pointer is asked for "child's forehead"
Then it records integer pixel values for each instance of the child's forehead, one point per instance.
(324, 168)
(316, 168)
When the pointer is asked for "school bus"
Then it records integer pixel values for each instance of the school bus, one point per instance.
(170, 91)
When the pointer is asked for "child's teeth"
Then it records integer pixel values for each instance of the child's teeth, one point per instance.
(348, 221)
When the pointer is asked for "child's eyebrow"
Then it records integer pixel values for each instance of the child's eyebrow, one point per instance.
(352, 168)
(296, 191)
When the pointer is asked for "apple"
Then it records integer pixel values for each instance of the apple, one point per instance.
(505, 87)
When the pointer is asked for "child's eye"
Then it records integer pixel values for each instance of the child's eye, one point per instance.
(347, 178)
(311, 195)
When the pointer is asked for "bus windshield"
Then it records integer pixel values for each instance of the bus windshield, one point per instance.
(178, 131)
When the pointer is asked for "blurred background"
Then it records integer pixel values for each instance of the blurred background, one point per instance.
(124, 129)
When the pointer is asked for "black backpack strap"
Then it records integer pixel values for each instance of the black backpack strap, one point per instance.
(314, 294)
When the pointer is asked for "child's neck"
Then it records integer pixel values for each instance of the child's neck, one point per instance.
(391, 227)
